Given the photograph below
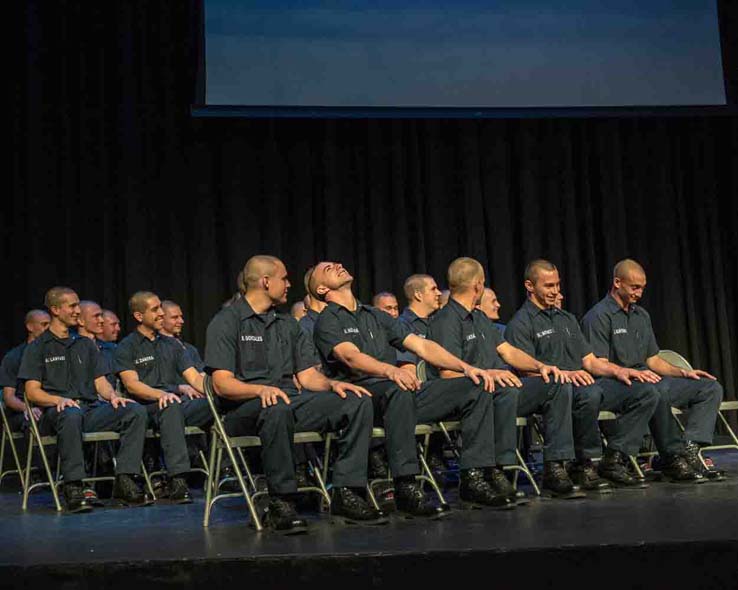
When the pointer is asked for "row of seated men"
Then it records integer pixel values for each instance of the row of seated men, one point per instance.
(338, 370)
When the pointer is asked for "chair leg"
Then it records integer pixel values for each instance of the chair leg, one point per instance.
(212, 482)
(27, 483)
(326, 455)
(525, 469)
(430, 479)
(17, 459)
(147, 479)
(321, 483)
(237, 470)
(247, 469)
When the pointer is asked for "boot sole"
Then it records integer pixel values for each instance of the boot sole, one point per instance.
(80, 510)
(346, 521)
(573, 495)
(435, 516)
(298, 530)
(467, 505)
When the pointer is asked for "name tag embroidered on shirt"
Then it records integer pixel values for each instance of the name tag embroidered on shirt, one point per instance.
(351, 330)
(620, 331)
(249, 338)
(144, 359)
(55, 359)
(545, 333)
(471, 337)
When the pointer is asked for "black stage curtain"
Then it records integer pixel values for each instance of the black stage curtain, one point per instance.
(116, 188)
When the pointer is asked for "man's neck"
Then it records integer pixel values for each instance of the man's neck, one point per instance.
(163, 332)
(537, 303)
(317, 306)
(147, 332)
(59, 329)
(466, 300)
(343, 297)
(259, 301)
(85, 333)
(419, 310)
(623, 304)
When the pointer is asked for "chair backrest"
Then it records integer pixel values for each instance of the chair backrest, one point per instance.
(421, 370)
(207, 385)
(676, 359)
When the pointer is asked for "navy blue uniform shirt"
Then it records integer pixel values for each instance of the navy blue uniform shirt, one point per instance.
(66, 367)
(625, 338)
(373, 331)
(264, 349)
(159, 362)
(417, 326)
(9, 371)
(307, 322)
(550, 335)
(470, 335)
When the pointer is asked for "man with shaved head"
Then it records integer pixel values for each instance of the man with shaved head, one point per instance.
(423, 300)
(255, 355)
(387, 302)
(490, 306)
(36, 323)
(111, 327)
(157, 371)
(546, 332)
(92, 325)
(359, 343)
(313, 307)
(619, 331)
(64, 374)
(467, 332)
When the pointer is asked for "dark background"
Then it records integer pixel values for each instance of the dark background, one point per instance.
(115, 187)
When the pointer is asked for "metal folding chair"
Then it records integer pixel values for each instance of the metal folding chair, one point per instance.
(678, 360)
(8, 440)
(189, 431)
(606, 416)
(233, 446)
(53, 480)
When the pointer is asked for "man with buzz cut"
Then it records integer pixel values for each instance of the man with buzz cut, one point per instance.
(551, 335)
(619, 331)
(91, 325)
(387, 302)
(151, 367)
(462, 328)
(313, 307)
(255, 356)
(111, 327)
(171, 325)
(64, 374)
(359, 343)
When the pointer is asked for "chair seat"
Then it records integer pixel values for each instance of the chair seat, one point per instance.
(729, 406)
(605, 415)
(100, 436)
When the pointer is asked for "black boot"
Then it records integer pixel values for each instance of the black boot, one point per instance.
(281, 517)
(349, 507)
(612, 467)
(178, 491)
(74, 497)
(678, 470)
(584, 475)
(411, 500)
(91, 496)
(692, 455)
(377, 465)
(556, 482)
(127, 491)
(475, 492)
(499, 483)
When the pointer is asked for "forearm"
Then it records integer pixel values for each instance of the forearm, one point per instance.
(661, 367)
(600, 367)
(521, 361)
(233, 389)
(11, 401)
(436, 355)
(141, 390)
(39, 397)
(314, 380)
(358, 361)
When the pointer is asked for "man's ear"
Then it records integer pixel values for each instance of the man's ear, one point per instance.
(138, 316)
(528, 285)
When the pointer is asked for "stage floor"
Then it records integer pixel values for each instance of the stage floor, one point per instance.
(683, 520)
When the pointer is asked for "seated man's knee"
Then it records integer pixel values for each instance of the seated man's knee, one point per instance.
(715, 391)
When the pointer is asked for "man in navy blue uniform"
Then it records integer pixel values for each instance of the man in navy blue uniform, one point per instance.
(255, 355)
(553, 336)
(463, 329)
(619, 331)
(65, 374)
(490, 306)
(313, 307)
(359, 343)
(91, 325)
(152, 368)
(36, 323)
(111, 327)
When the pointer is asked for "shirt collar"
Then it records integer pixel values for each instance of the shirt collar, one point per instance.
(533, 310)
(613, 306)
(312, 314)
(48, 336)
(245, 312)
(141, 338)
(458, 309)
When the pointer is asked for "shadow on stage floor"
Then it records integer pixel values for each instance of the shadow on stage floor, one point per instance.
(667, 536)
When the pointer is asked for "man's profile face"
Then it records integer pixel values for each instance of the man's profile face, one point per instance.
(111, 327)
(388, 303)
(546, 287)
(38, 324)
(91, 318)
(153, 316)
(278, 285)
(67, 312)
(173, 320)
(331, 275)
(490, 305)
(630, 288)
(431, 295)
